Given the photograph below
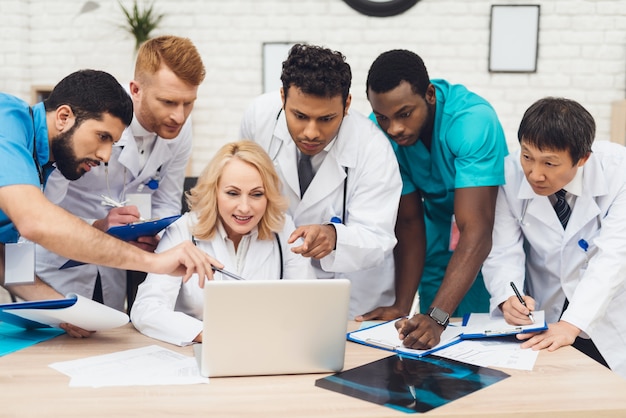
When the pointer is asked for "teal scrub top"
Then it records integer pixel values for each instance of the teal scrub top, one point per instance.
(18, 131)
(467, 150)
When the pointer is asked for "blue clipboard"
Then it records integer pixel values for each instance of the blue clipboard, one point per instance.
(12, 319)
(499, 328)
(370, 337)
(132, 232)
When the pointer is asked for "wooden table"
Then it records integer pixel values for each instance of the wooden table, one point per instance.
(563, 383)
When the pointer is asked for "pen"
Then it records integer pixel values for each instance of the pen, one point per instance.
(227, 273)
(224, 272)
(521, 300)
(107, 201)
(414, 306)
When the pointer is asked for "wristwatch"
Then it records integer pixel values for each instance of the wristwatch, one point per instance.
(439, 316)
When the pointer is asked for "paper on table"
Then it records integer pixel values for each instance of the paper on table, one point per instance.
(84, 313)
(491, 352)
(146, 366)
(385, 336)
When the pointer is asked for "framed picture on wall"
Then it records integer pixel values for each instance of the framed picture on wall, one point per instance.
(514, 38)
(274, 53)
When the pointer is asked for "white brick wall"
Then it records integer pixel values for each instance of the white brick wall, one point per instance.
(581, 50)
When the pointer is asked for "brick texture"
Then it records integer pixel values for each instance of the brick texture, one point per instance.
(581, 50)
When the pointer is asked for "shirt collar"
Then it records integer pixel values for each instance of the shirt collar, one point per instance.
(222, 232)
(575, 186)
(318, 159)
(140, 131)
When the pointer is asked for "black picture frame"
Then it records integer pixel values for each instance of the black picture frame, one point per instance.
(381, 8)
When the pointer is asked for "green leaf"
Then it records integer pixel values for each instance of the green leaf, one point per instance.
(140, 23)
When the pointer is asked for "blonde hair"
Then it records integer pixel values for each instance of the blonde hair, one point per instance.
(202, 199)
(178, 54)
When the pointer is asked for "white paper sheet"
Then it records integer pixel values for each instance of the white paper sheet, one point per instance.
(146, 366)
(490, 352)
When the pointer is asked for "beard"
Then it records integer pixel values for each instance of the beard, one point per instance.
(64, 155)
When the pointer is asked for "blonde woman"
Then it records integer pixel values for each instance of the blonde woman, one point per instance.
(237, 215)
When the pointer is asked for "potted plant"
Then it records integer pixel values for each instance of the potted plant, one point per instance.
(140, 23)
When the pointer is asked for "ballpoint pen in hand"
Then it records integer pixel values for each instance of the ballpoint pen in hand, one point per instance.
(521, 300)
(227, 273)
(107, 201)
(224, 272)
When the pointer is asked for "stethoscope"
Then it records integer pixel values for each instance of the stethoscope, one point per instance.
(280, 258)
(35, 159)
(274, 153)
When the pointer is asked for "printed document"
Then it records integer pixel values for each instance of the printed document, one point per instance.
(152, 365)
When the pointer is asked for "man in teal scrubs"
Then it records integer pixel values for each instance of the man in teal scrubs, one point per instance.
(450, 147)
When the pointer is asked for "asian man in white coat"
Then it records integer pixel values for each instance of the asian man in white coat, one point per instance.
(347, 214)
(560, 234)
(148, 162)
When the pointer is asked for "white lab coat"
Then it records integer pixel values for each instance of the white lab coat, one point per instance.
(169, 310)
(168, 160)
(593, 281)
(366, 238)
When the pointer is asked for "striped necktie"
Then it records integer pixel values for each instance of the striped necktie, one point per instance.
(562, 209)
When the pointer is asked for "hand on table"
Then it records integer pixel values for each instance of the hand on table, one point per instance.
(383, 313)
(420, 332)
(75, 332)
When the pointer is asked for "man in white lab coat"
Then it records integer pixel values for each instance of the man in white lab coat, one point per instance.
(146, 170)
(347, 214)
(572, 263)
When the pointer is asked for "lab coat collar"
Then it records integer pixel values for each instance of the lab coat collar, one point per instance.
(129, 156)
(342, 152)
(256, 251)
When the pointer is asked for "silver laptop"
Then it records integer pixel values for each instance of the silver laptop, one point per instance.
(273, 327)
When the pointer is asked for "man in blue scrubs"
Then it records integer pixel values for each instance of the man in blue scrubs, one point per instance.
(75, 128)
(451, 148)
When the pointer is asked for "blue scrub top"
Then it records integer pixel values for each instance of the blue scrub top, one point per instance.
(17, 166)
(467, 150)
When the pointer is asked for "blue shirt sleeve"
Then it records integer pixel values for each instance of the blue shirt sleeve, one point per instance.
(16, 142)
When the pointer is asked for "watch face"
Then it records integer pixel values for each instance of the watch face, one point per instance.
(439, 316)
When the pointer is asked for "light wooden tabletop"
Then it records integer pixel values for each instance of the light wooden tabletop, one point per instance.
(563, 383)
